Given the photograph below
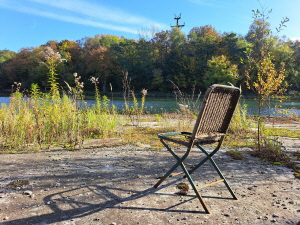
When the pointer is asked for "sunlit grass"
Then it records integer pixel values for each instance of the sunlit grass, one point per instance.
(235, 154)
(40, 123)
(282, 132)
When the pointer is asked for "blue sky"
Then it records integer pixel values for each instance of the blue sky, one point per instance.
(30, 23)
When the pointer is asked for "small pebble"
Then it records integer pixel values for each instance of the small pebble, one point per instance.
(29, 193)
(265, 218)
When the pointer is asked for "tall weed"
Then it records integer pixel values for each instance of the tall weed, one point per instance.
(135, 110)
(239, 122)
(44, 120)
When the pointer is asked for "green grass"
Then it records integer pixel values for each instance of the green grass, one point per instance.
(235, 154)
(297, 154)
(41, 123)
(282, 132)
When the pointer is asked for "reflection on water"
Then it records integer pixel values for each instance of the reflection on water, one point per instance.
(159, 105)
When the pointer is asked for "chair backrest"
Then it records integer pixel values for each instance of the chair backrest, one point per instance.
(216, 111)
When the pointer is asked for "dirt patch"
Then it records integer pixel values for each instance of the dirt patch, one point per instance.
(115, 186)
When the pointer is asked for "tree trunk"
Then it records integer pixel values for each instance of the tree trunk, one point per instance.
(258, 124)
(104, 86)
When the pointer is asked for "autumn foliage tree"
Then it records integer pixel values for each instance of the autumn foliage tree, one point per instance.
(261, 74)
(196, 60)
(100, 64)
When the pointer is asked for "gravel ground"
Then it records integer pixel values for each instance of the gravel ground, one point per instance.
(115, 186)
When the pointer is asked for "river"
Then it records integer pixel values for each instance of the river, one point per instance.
(158, 105)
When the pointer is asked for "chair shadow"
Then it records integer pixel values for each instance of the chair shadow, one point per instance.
(81, 208)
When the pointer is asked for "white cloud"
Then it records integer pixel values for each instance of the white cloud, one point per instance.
(295, 39)
(98, 11)
(83, 13)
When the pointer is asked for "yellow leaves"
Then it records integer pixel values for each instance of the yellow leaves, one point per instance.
(269, 80)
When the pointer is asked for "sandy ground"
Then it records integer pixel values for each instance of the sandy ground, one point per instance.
(115, 186)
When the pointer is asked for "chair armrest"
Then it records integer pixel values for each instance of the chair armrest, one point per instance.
(168, 134)
(168, 137)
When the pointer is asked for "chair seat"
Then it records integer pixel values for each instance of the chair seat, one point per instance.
(208, 138)
(185, 137)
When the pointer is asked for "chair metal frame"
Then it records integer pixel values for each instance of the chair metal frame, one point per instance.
(211, 126)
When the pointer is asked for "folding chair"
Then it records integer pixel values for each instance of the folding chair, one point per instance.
(211, 126)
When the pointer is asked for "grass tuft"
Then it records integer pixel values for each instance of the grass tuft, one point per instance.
(235, 154)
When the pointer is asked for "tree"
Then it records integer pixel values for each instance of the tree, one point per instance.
(261, 74)
(6, 55)
(203, 45)
(158, 81)
(99, 63)
(232, 46)
(295, 71)
(18, 68)
(207, 32)
(174, 59)
(161, 46)
(220, 70)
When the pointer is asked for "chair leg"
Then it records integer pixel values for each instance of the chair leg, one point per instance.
(209, 157)
(222, 176)
(180, 162)
(194, 188)
(166, 175)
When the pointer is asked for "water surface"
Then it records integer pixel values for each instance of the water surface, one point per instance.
(159, 105)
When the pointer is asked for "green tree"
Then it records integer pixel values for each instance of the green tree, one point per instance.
(6, 55)
(158, 81)
(294, 75)
(232, 46)
(203, 45)
(174, 59)
(220, 70)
